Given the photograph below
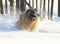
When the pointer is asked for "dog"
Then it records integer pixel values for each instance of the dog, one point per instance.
(28, 20)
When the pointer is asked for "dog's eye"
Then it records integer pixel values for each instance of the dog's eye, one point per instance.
(28, 10)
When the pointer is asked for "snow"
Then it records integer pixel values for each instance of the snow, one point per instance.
(7, 24)
(50, 26)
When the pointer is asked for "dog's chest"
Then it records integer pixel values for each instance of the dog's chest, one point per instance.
(28, 25)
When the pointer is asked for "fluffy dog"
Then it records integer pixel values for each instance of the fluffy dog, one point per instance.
(28, 19)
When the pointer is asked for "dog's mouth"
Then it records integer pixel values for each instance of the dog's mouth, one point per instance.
(32, 17)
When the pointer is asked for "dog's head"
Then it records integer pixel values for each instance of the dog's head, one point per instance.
(31, 14)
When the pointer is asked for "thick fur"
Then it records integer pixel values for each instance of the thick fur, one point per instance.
(27, 23)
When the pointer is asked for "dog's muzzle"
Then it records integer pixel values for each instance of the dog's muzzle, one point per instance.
(32, 17)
